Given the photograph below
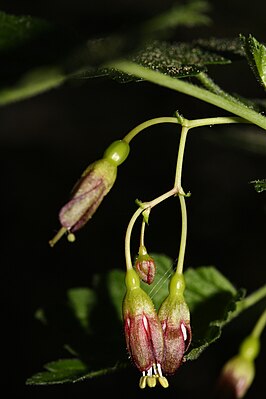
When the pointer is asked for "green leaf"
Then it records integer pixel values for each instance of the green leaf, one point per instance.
(178, 60)
(18, 30)
(82, 302)
(190, 14)
(231, 48)
(259, 185)
(213, 302)
(204, 282)
(116, 289)
(34, 82)
(69, 371)
(59, 372)
(256, 56)
(162, 55)
(65, 364)
(32, 51)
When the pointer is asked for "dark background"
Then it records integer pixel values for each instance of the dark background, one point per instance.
(48, 140)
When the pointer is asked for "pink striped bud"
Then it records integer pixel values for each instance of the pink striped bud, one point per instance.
(95, 183)
(238, 373)
(145, 266)
(235, 379)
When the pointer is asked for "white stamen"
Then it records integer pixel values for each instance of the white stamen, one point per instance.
(154, 374)
(159, 369)
(184, 331)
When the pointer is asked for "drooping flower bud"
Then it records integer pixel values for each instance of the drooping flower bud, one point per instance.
(235, 379)
(238, 373)
(145, 266)
(143, 332)
(175, 319)
(95, 182)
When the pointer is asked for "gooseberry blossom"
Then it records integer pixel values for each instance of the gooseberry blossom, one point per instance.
(175, 320)
(143, 332)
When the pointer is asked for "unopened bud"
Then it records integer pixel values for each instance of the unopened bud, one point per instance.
(238, 373)
(235, 379)
(145, 266)
(95, 183)
(88, 193)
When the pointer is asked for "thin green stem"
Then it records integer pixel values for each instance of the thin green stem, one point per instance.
(178, 186)
(159, 199)
(253, 298)
(177, 189)
(214, 88)
(190, 89)
(180, 157)
(139, 211)
(147, 124)
(183, 239)
(142, 233)
(185, 122)
(222, 120)
(259, 326)
(128, 237)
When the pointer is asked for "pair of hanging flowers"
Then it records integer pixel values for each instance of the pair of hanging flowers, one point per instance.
(156, 342)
